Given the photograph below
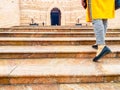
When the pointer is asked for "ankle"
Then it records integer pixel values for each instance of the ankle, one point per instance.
(101, 46)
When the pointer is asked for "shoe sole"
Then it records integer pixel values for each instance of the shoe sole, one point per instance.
(95, 47)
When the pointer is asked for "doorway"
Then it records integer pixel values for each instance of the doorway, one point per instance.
(55, 16)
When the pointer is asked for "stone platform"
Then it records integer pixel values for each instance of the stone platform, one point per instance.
(52, 71)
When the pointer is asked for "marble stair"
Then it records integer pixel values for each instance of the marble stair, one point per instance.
(57, 58)
(81, 51)
(54, 34)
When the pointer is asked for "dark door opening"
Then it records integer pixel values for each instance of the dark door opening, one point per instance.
(55, 16)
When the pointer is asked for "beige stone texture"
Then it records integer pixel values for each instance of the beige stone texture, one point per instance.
(115, 23)
(93, 86)
(20, 12)
(40, 11)
(29, 87)
(52, 71)
(9, 13)
(81, 51)
(98, 86)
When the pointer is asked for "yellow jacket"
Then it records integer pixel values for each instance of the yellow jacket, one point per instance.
(101, 9)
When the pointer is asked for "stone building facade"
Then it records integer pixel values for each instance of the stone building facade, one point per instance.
(51, 12)
(44, 12)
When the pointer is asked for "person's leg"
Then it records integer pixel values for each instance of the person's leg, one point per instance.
(105, 25)
(99, 30)
(104, 21)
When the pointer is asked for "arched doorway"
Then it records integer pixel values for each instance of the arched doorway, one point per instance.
(55, 16)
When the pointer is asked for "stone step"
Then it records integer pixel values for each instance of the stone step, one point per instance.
(88, 86)
(55, 41)
(81, 51)
(91, 86)
(52, 29)
(55, 34)
(59, 71)
(46, 29)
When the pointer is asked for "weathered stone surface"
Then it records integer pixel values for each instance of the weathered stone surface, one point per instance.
(57, 67)
(9, 13)
(22, 12)
(32, 41)
(81, 51)
(88, 86)
(52, 71)
(29, 87)
(54, 34)
(6, 69)
(92, 86)
(4, 80)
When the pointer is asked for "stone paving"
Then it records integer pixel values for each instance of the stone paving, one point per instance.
(59, 70)
(60, 66)
(92, 86)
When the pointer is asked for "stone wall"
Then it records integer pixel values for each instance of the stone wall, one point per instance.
(71, 12)
(39, 10)
(115, 23)
(22, 12)
(9, 13)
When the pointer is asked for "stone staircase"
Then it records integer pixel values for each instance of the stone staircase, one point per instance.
(57, 58)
